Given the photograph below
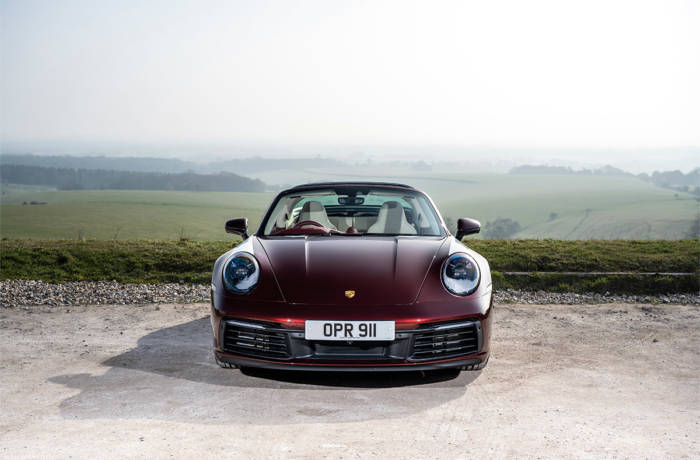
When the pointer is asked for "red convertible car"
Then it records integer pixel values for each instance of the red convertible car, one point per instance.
(352, 276)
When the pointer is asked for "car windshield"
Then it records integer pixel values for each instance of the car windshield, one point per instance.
(354, 211)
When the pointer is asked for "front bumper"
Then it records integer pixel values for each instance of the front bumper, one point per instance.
(450, 344)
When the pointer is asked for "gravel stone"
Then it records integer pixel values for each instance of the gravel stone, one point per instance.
(14, 293)
(572, 298)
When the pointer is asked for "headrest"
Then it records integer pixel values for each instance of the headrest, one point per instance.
(312, 206)
(394, 216)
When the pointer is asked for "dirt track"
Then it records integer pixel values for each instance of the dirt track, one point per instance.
(563, 381)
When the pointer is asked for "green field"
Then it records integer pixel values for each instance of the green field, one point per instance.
(127, 214)
(586, 207)
(596, 207)
(189, 261)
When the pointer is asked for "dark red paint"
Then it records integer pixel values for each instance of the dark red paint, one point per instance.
(382, 270)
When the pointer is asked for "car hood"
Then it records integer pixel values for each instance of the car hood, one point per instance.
(318, 270)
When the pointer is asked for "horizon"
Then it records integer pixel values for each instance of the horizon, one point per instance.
(498, 159)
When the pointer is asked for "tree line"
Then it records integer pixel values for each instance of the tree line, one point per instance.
(90, 179)
(675, 180)
(169, 165)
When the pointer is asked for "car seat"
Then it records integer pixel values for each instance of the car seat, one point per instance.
(314, 211)
(392, 219)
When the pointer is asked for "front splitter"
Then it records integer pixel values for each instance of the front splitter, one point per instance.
(464, 364)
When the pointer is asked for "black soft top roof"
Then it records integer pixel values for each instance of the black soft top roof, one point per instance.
(349, 184)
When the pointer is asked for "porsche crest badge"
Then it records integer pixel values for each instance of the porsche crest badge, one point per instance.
(349, 294)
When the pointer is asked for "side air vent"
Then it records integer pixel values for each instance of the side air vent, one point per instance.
(254, 340)
(446, 341)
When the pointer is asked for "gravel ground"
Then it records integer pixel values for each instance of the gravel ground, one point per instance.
(564, 381)
(26, 292)
(570, 298)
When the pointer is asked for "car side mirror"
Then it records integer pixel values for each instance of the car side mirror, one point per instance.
(238, 226)
(466, 227)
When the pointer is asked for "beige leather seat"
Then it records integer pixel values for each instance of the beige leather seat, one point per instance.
(314, 211)
(392, 219)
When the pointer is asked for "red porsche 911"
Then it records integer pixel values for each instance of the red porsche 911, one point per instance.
(352, 276)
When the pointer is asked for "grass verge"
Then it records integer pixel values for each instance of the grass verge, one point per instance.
(655, 256)
(613, 284)
(123, 261)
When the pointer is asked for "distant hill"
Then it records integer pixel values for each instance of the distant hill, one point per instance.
(157, 165)
(674, 180)
(100, 179)
(606, 170)
(169, 165)
(257, 164)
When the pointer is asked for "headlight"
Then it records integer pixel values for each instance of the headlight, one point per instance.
(460, 274)
(241, 273)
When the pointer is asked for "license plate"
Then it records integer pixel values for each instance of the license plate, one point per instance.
(349, 330)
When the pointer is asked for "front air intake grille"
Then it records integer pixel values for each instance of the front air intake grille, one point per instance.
(254, 340)
(446, 341)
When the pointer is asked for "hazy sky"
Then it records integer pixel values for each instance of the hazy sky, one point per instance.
(588, 73)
